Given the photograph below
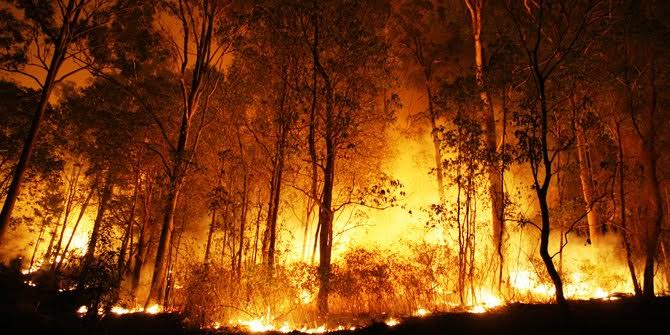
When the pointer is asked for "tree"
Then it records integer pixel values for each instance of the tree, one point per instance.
(207, 26)
(549, 33)
(58, 32)
(428, 39)
(350, 66)
(495, 168)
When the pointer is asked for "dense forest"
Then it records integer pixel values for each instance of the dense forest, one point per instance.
(269, 163)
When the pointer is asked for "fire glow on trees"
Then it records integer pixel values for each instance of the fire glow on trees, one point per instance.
(278, 165)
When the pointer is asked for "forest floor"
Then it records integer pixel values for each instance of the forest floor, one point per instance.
(26, 309)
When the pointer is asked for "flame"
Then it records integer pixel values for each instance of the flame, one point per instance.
(256, 326)
(263, 325)
(421, 312)
(477, 309)
(153, 309)
(392, 322)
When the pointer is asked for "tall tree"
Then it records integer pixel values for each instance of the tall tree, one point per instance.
(47, 35)
(495, 168)
(548, 33)
(205, 34)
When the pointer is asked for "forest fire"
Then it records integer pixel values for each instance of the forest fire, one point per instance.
(230, 166)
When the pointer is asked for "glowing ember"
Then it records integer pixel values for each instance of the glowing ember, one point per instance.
(489, 300)
(256, 326)
(478, 309)
(153, 309)
(82, 310)
(392, 322)
(421, 312)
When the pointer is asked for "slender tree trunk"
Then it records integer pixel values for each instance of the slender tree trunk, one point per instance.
(191, 94)
(29, 144)
(326, 234)
(129, 227)
(243, 222)
(494, 168)
(325, 208)
(224, 226)
(49, 251)
(649, 159)
(76, 225)
(160, 267)
(308, 218)
(274, 206)
(209, 237)
(37, 243)
(140, 256)
(542, 191)
(439, 171)
(258, 228)
(105, 195)
(68, 208)
(622, 212)
(586, 178)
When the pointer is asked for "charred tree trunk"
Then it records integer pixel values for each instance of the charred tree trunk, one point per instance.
(543, 189)
(243, 222)
(105, 196)
(212, 224)
(60, 49)
(278, 170)
(649, 159)
(129, 227)
(191, 94)
(258, 228)
(494, 169)
(76, 225)
(325, 209)
(622, 212)
(586, 179)
(160, 267)
(326, 233)
(439, 171)
(142, 248)
(45, 222)
(72, 189)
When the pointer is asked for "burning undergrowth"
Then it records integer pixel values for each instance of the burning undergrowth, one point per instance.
(371, 285)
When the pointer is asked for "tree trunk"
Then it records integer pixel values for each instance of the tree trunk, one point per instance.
(29, 144)
(542, 192)
(308, 218)
(273, 208)
(258, 227)
(129, 228)
(439, 171)
(140, 257)
(68, 208)
(624, 226)
(326, 233)
(649, 159)
(209, 237)
(97, 224)
(494, 168)
(160, 267)
(37, 243)
(76, 225)
(586, 178)
(191, 94)
(243, 222)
